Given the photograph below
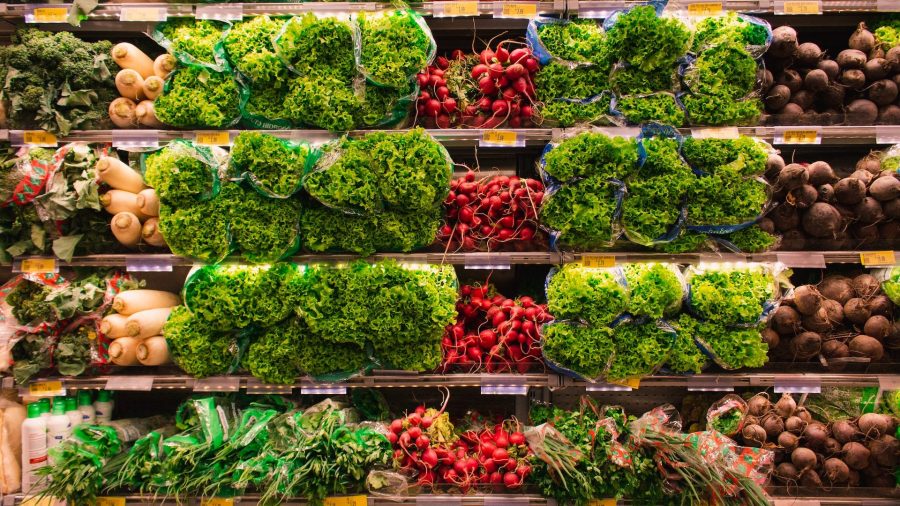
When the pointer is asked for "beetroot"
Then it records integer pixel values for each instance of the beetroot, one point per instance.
(821, 173)
(885, 188)
(866, 346)
(885, 451)
(803, 458)
(878, 327)
(807, 299)
(753, 435)
(836, 471)
(806, 346)
(857, 311)
(836, 287)
(785, 320)
(792, 176)
(784, 42)
(856, 455)
(874, 425)
(849, 191)
(822, 220)
(845, 431)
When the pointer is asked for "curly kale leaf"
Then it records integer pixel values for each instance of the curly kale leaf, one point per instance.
(731, 27)
(197, 347)
(196, 38)
(274, 357)
(726, 70)
(556, 80)
(566, 114)
(733, 348)
(591, 154)
(752, 239)
(595, 295)
(323, 101)
(317, 357)
(685, 356)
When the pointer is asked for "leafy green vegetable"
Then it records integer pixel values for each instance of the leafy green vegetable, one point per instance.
(196, 97)
(579, 40)
(29, 304)
(634, 81)
(583, 213)
(250, 50)
(641, 348)
(658, 107)
(685, 356)
(264, 105)
(716, 110)
(655, 289)
(197, 38)
(323, 101)
(731, 27)
(725, 199)
(200, 231)
(328, 230)
(642, 38)
(662, 158)
(752, 239)
(580, 348)
(730, 296)
(598, 296)
(728, 422)
(687, 241)
(264, 229)
(564, 113)
(732, 348)
(395, 46)
(273, 165)
(556, 80)
(181, 173)
(318, 357)
(707, 155)
(723, 70)
(590, 154)
(197, 347)
(652, 206)
(72, 355)
(31, 355)
(274, 356)
(891, 284)
(313, 45)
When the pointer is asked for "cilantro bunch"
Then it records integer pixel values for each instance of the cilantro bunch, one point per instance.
(730, 296)
(597, 296)
(640, 349)
(273, 165)
(251, 52)
(578, 40)
(582, 349)
(197, 347)
(197, 97)
(590, 154)
(395, 46)
(584, 213)
(655, 289)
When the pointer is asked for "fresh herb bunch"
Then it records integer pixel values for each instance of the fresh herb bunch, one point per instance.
(657, 107)
(273, 165)
(641, 348)
(634, 81)
(196, 97)
(583, 213)
(408, 172)
(57, 82)
(197, 347)
(648, 41)
(197, 38)
(590, 154)
(725, 70)
(731, 27)
(686, 357)
(228, 297)
(731, 296)
(264, 229)
(395, 46)
(597, 296)
(556, 80)
(728, 422)
(715, 110)
(328, 230)
(72, 354)
(200, 231)
(274, 356)
(725, 199)
(565, 113)
(31, 355)
(582, 349)
(29, 303)
(707, 155)
(313, 45)
(752, 239)
(322, 101)
(655, 289)
(578, 40)
(181, 173)
(251, 52)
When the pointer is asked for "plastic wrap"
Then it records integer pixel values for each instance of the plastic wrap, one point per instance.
(583, 215)
(734, 294)
(25, 178)
(663, 107)
(753, 33)
(890, 282)
(23, 306)
(314, 44)
(384, 36)
(585, 51)
(644, 355)
(194, 42)
(198, 97)
(273, 166)
(182, 172)
(578, 350)
(655, 289)
(727, 415)
(597, 296)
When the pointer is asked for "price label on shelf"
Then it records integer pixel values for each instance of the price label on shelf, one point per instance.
(48, 15)
(132, 383)
(38, 501)
(222, 12)
(143, 14)
(602, 502)
(798, 7)
(802, 260)
(110, 501)
(455, 9)
(877, 258)
(39, 138)
(346, 500)
(212, 137)
(797, 136)
(715, 133)
(705, 9)
(501, 138)
(217, 501)
(46, 389)
(590, 260)
(633, 383)
(525, 10)
(38, 265)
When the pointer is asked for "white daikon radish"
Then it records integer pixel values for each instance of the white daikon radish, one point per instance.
(121, 112)
(119, 175)
(153, 87)
(163, 65)
(150, 233)
(146, 115)
(130, 84)
(132, 301)
(121, 201)
(147, 323)
(127, 228)
(148, 201)
(128, 56)
(153, 351)
(113, 326)
(123, 351)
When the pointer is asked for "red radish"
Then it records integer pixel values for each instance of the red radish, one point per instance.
(515, 71)
(442, 92)
(443, 121)
(432, 107)
(442, 62)
(502, 55)
(496, 70)
(435, 80)
(499, 107)
(457, 54)
(487, 56)
(479, 70)
(487, 86)
(532, 65)
(423, 80)
(449, 105)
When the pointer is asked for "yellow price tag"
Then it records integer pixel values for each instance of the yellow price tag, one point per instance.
(589, 260)
(110, 501)
(347, 500)
(872, 258)
(37, 501)
(39, 138)
(633, 383)
(802, 7)
(500, 137)
(217, 501)
(213, 138)
(46, 389)
(51, 14)
(38, 265)
(519, 10)
(602, 502)
(705, 9)
(459, 8)
(800, 136)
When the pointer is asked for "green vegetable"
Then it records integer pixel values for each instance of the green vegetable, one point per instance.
(725, 199)
(731, 27)
(708, 155)
(566, 113)
(323, 46)
(250, 50)
(395, 46)
(733, 348)
(731, 296)
(641, 348)
(31, 355)
(717, 110)
(323, 101)
(318, 357)
(663, 157)
(891, 284)
(685, 356)
(273, 165)
(274, 356)
(556, 80)
(728, 422)
(580, 348)
(28, 302)
(196, 97)
(197, 347)
(752, 239)
(598, 296)
(591, 154)
(583, 213)
(652, 206)
(579, 40)
(634, 81)
(655, 289)
(657, 107)
(647, 41)
(197, 38)
(182, 173)
(200, 231)
(686, 242)
(328, 230)
(264, 230)
(265, 106)
(57, 82)
(724, 70)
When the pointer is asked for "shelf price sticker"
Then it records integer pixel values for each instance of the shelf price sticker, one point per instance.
(48, 15)
(455, 9)
(217, 501)
(39, 138)
(38, 265)
(877, 258)
(705, 9)
(347, 500)
(212, 137)
(110, 501)
(632, 383)
(590, 260)
(798, 7)
(602, 502)
(715, 133)
(501, 139)
(46, 389)
(798, 136)
(143, 14)
(526, 10)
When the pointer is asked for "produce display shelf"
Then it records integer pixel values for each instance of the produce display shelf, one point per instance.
(788, 136)
(481, 261)
(795, 383)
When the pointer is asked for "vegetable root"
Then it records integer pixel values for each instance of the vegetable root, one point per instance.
(133, 301)
(126, 227)
(129, 57)
(153, 351)
(130, 84)
(119, 175)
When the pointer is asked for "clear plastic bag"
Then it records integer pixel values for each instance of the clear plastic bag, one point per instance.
(194, 42)
(250, 50)
(199, 97)
(275, 167)
(734, 294)
(642, 347)
(587, 152)
(24, 180)
(587, 29)
(753, 33)
(655, 289)
(662, 107)
(595, 295)
(727, 415)
(578, 350)
(24, 307)
(890, 282)
(382, 35)
(583, 215)
(571, 112)
(314, 44)
(182, 172)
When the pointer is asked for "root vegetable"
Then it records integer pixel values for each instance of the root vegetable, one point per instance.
(826, 193)
(866, 285)
(787, 473)
(891, 209)
(873, 425)
(113, 326)
(147, 323)
(148, 202)
(833, 97)
(881, 305)
(784, 42)
(759, 405)
(163, 65)
(153, 351)
(852, 59)
(765, 78)
(821, 173)
(815, 434)
(786, 321)
(844, 431)
(792, 176)
(862, 175)
(118, 174)
(804, 98)
(146, 115)
(832, 446)
(123, 351)
(791, 79)
(807, 299)
(773, 425)
(836, 287)
(790, 114)
(808, 55)
(856, 455)
(129, 57)
(882, 92)
(861, 112)
(878, 327)
(833, 349)
(888, 115)
(868, 211)
(862, 39)
(130, 84)
(795, 425)
(785, 218)
(876, 69)
(754, 435)
(830, 67)
(121, 201)
(857, 311)
(121, 112)
(885, 451)
(836, 471)
(803, 458)
(774, 164)
(126, 227)
(806, 345)
(866, 346)
(788, 441)
(802, 197)
(822, 220)
(885, 188)
(777, 97)
(815, 80)
(153, 87)
(133, 301)
(150, 233)
(849, 191)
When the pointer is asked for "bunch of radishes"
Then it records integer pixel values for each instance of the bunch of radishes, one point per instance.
(483, 90)
(490, 213)
(494, 333)
(502, 453)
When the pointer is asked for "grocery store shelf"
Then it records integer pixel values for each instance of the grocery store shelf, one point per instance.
(790, 382)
